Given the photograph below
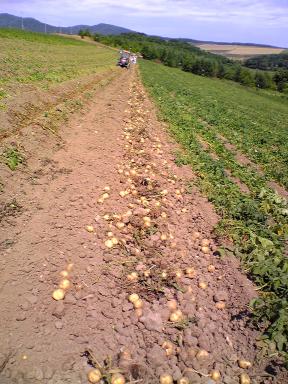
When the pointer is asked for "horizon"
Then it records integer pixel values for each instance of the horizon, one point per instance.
(240, 21)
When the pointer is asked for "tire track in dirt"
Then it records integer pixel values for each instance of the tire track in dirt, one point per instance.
(123, 221)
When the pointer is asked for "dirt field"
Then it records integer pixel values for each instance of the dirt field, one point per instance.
(239, 51)
(104, 206)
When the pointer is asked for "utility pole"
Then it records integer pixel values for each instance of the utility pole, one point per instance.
(22, 23)
(45, 28)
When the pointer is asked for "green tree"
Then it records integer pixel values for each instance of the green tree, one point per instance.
(81, 33)
(281, 80)
(87, 32)
(260, 80)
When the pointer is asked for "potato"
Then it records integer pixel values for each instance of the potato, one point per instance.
(215, 375)
(117, 378)
(166, 379)
(120, 225)
(138, 304)
(205, 242)
(109, 243)
(176, 316)
(114, 240)
(164, 275)
(133, 297)
(172, 305)
(202, 285)
(58, 294)
(205, 250)
(178, 274)
(190, 272)
(90, 228)
(64, 274)
(65, 284)
(244, 364)
(133, 276)
(196, 235)
(220, 305)
(211, 268)
(183, 380)
(244, 379)
(94, 376)
(202, 354)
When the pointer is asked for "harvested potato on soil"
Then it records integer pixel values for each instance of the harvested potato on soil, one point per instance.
(133, 298)
(94, 376)
(176, 316)
(245, 364)
(166, 379)
(244, 379)
(65, 284)
(183, 380)
(215, 375)
(58, 294)
(202, 354)
(118, 378)
(220, 305)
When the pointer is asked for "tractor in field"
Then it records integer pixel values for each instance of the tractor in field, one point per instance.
(124, 60)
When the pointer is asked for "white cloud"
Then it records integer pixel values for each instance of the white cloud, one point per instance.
(268, 12)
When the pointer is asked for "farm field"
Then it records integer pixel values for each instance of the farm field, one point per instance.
(29, 59)
(213, 120)
(38, 71)
(116, 259)
(239, 52)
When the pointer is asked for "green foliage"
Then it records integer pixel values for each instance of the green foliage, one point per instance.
(262, 80)
(12, 158)
(281, 80)
(199, 109)
(84, 32)
(273, 313)
(180, 54)
(269, 62)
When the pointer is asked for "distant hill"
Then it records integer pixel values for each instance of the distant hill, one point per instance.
(30, 24)
(200, 42)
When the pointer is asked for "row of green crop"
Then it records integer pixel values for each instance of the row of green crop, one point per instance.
(257, 222)
(255, 122)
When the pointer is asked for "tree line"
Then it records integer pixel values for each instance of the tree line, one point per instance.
(268, 62)
(181, 54)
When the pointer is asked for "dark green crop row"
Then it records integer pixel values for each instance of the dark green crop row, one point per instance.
(200, 109)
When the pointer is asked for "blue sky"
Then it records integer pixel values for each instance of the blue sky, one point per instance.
(260, 21)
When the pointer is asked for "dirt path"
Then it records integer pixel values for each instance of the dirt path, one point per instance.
(111, 203)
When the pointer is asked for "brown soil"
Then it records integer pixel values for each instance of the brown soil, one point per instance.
(31, 103)
(117, 143)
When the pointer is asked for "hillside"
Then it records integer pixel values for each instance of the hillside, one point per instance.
(30, 24)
